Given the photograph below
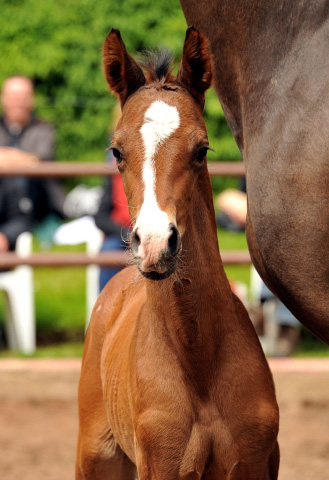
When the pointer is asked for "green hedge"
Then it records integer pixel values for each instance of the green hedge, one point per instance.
(58, 44)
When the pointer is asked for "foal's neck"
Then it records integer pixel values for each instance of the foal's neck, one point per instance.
(191, 303)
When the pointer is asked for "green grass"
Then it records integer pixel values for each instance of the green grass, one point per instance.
(235, 241)
(315, 351)
(59, 350)
(60, 303)
(310, 346)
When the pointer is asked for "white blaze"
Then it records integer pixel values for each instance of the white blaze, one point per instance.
(161, 121)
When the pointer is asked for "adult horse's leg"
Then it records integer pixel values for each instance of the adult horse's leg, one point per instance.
(99, 456)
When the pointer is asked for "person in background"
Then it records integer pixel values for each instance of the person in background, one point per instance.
(113, 213)
(232, 208)
(27, 140)
(15, 218)
(114, 221)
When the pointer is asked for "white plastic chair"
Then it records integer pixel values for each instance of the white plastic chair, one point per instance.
(75, 232)
(271, 329)
(19, 294)
(93, 246)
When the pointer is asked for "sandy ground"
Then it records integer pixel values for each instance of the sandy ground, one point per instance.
(38, 419)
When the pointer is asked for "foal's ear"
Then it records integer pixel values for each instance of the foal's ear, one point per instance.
(123, 74)
(195, 71)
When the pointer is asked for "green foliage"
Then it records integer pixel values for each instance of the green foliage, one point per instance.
(58, 44)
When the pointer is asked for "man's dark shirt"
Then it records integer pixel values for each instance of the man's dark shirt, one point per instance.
(37, 137)
(15, 211)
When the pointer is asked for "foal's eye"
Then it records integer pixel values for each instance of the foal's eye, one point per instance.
(201, 155)
(117, 155)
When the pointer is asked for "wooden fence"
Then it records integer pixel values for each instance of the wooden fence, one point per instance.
(117, 258)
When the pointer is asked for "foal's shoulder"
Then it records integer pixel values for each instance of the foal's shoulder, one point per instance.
(124, 291)
(125, 285)
(126, 280)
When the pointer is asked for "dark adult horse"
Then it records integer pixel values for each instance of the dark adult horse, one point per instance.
(271, 76)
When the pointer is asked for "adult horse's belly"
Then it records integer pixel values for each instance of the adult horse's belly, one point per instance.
(288, 219)
(272, 81)
(287, 163)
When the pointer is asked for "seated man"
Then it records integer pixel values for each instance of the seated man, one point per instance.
(114, 221)
(15, 218)
(15, 214)
(26, 140)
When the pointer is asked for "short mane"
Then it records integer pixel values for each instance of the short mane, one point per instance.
(158, 65)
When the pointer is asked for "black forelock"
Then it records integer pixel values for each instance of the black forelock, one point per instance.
(157, 63)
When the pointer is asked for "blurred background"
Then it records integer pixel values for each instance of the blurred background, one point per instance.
(58, 45)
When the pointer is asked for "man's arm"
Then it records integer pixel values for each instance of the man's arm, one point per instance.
(10, 156)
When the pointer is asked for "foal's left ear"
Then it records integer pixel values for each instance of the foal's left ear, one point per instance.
(124, 76)
(195, 71)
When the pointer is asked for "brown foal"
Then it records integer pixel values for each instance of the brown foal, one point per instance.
(174, 384)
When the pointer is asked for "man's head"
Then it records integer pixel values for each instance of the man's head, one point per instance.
(17, 100)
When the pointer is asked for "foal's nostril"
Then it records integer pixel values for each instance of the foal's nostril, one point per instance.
(134, 242)
(174, 241)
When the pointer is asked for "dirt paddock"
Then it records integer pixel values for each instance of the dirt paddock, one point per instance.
(38, 418)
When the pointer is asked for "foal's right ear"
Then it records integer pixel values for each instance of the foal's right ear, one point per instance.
(195, 71)
(123, 74)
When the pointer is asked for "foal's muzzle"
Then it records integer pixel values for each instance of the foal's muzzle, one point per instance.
(155, 254)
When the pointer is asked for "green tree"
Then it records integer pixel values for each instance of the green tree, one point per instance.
(58, 44)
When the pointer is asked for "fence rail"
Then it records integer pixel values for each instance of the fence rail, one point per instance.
(76, 169)
(105, 259)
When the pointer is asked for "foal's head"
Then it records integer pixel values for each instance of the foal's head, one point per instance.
(160, 145)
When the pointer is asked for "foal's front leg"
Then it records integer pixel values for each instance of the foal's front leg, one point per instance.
(101, 464)
(99, 457)
(160, 444)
